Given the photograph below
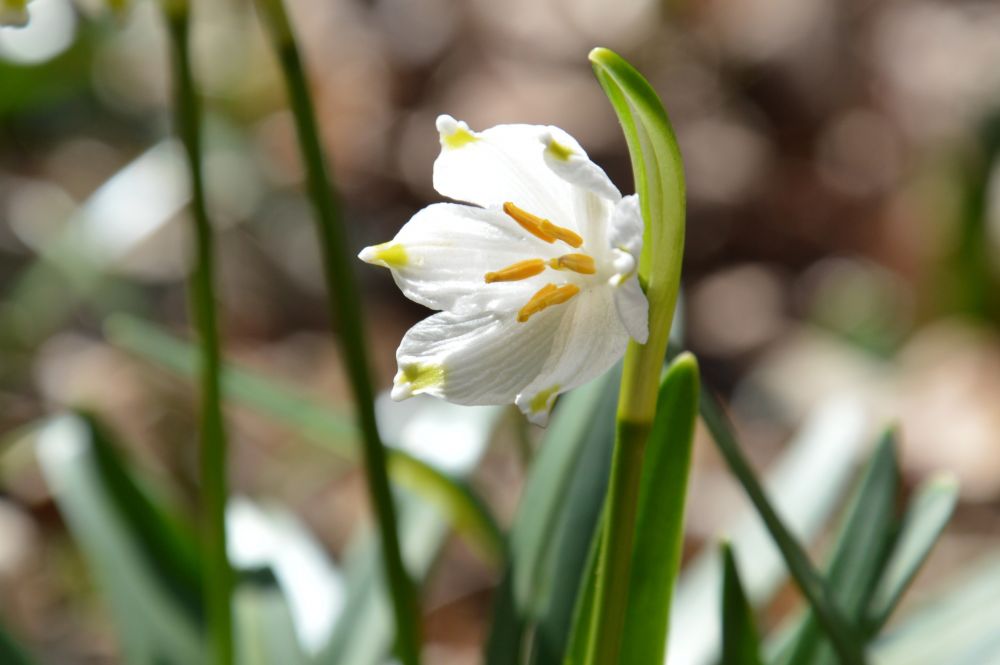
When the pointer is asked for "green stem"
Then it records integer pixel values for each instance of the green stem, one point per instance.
(345, 308)
(218, 575)
(658, 169)
(615, 563)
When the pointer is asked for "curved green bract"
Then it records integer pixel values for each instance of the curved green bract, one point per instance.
(659, 180)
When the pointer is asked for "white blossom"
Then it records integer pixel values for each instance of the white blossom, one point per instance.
(535, 282)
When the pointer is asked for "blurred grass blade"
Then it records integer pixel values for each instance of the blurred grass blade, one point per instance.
(563, 560)
(844, 636)
(860, 553)
(926, 517)
(168, 545)
(316, 423)
(344, 306)
(265, 634)
(153, 626)
(659, 534)
(740, 642)
(807, 484)
(532, 534)
(12, 653)
(212, 442)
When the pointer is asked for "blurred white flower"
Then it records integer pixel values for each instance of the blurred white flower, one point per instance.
(537, 287)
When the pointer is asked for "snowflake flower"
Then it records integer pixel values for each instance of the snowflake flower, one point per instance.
(536, 282)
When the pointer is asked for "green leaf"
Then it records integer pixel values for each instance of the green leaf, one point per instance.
(153, 625)
(659, 532)
(807, 483)
(574, 530)
(926, 517)
(552, 529)
(544, 498)
(317, 424)
(658, 170)
(740, 642)
(860, 553)
(817, 592)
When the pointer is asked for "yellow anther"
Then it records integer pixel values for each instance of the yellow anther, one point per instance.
(581, 263)
(542, 228)
(516, 271)
(548, 295)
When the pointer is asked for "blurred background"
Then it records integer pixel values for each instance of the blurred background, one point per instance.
(843, 241)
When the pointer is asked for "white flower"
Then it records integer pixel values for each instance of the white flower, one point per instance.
(537, 286)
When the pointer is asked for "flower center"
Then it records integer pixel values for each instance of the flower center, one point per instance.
(550, 294)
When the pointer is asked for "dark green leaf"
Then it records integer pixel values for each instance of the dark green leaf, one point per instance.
(740, 642)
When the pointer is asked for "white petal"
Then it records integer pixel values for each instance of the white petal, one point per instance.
(626, 226)
(590, 339)
(474, 358)
(569, 161)
(501, 164)
(633, 308)
(440, 257)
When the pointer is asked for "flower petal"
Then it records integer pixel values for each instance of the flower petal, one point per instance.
(474, 357)
(569, 161)
(539, 168)
(626, 226)
(633, 308)
(589, 340)
(441, 257)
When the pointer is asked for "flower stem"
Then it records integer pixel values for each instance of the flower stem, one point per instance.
(345, 308)
(659, 177)
(218, 579)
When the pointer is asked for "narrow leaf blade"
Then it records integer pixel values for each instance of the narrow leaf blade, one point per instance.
(740, 641)
(926, 517)
(659, 533)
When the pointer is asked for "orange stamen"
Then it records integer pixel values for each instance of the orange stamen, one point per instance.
(516, 271)
(547, 296)
(581, 263)
(542, 228)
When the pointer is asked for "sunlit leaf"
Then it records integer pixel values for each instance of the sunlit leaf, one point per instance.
(659, 534)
